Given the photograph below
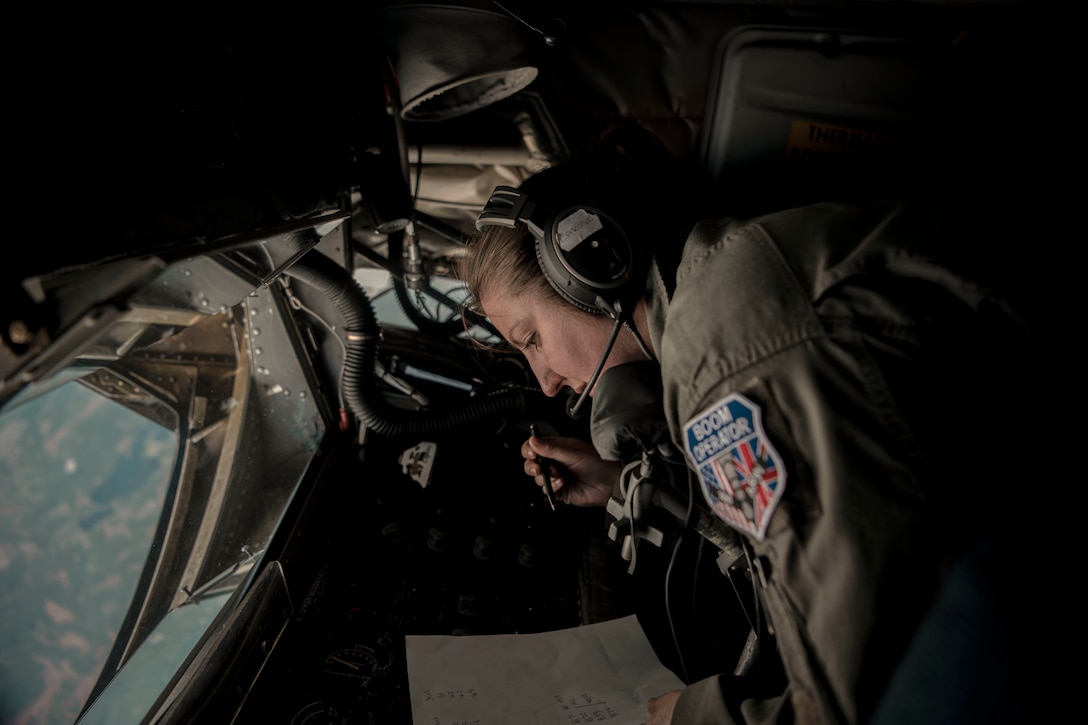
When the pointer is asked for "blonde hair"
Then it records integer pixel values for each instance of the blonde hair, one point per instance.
(503, 259)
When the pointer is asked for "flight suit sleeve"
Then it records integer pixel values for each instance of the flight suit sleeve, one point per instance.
(851, 354)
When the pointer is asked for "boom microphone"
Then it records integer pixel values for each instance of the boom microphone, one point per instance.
(575, 401)
(574, 404)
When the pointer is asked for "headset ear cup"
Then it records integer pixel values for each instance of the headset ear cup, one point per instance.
(587, 258)
(584, 254)
(562, 283)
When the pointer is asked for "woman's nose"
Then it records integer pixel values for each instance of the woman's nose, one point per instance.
(550, 383)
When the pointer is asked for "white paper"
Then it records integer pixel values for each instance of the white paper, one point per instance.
(596, 673)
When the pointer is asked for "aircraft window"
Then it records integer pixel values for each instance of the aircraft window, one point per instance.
(131, 472)
(130, 696)
(82, 484)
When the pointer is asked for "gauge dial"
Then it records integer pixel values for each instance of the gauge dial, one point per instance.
(358, 661)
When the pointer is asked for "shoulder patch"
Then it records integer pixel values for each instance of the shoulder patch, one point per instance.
(740, 472)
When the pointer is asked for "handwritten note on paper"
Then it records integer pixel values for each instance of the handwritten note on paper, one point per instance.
(597, 673)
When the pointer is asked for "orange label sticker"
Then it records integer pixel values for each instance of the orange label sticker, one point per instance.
(810, 139)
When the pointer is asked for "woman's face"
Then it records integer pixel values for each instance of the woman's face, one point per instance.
(561, 343)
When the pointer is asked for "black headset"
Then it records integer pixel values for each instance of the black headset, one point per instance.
(584, 252)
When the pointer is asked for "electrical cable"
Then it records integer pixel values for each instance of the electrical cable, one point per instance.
(438, 226)
(549, 38)
(638, 338)
(741, 598)
(343, 348)
(757, 606)
(701, 541)
(419, 177)
(518, 18)
(628, 497)
(668, 576)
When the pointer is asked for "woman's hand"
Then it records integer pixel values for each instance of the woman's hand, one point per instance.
(579, 476)
(661, 708)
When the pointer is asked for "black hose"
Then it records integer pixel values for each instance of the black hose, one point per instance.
(363, 334)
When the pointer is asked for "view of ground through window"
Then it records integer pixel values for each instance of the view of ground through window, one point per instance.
(82, 481)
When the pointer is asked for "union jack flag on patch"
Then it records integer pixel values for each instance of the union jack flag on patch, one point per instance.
(741, 473)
